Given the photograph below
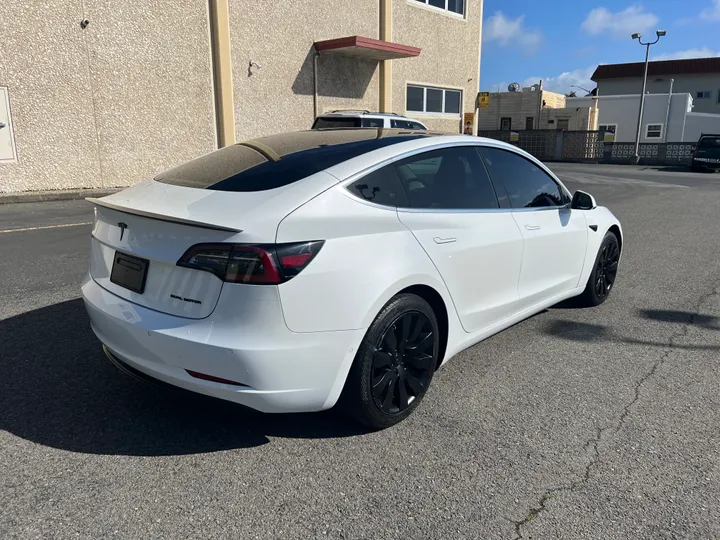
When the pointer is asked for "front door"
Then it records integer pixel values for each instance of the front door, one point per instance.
(475, 245)
(554, 236)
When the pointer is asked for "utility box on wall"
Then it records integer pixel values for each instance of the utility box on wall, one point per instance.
(7, 141)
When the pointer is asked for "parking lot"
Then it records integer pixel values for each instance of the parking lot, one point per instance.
(599, 423)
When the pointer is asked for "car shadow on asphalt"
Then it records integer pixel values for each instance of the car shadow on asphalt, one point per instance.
(579, 331)
(58, 389)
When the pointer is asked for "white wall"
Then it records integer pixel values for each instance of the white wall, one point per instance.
(623, 111)
(698, 123)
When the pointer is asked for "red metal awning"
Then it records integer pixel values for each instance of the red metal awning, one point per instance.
(364, 47)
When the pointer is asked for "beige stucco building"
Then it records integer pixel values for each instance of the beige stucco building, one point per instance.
(535, 108)
(105, 93)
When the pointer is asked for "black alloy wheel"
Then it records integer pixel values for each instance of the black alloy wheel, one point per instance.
(603, 275)
(607, 267)
(403, 362)
(394, 363)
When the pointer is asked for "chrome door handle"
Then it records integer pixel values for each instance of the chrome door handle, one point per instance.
(532, 227)
(439, 240)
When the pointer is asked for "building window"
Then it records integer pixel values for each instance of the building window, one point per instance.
(703, 94)
(505, 123)
(563, 124)
(653, 131)
(608, 128)
(529, 122)
(425, 99)
(453, 6)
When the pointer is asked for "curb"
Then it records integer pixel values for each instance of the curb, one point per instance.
(58, 195)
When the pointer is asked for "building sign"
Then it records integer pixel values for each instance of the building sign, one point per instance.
(468, 122)
(483, 100)
(514, 136)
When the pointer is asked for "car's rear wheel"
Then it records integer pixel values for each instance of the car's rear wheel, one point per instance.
(604, 273)
(394, 364)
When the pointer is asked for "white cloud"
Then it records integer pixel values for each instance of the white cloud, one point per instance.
(621, 24)
(704, 52)
(712, 13)
(562, 83)
(508, 32)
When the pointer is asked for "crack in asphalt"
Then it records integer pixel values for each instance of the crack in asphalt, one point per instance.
(595, 441)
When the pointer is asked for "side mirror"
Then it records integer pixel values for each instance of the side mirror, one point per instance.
(583, 201)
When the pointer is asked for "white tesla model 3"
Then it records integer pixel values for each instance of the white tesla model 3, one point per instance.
(293, 272)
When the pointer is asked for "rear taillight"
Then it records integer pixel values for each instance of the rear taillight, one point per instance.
(256, 264)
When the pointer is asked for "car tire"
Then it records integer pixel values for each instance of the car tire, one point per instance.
(394, 364)
(604, 272)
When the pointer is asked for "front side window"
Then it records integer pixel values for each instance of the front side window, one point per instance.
(527, 185)
(426, 99)
(653, 131)
(453, 6)
(709, 143)
(449, 178)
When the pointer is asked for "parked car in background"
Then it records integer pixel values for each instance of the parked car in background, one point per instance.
(357, 119)
(301, 270)
(707, 153)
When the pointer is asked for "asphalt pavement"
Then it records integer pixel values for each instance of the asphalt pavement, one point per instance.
(577, 423)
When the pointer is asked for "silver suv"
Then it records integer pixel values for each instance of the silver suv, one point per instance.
(356, 119)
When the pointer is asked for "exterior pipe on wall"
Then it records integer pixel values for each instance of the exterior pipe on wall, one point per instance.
(315, 84)
(667, 113)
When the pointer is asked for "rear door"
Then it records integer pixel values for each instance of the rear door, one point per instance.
(554, 235)
(474, 243)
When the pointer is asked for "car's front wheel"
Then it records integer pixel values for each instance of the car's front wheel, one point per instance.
(394, 364)
(602, 278)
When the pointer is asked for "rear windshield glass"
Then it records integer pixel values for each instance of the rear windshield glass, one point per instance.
(279, 160)
(336, 122)
(709, 142)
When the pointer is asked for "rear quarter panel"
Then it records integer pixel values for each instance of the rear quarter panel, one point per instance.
(368, 257)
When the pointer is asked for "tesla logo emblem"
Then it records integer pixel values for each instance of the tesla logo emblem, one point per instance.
(122, 226)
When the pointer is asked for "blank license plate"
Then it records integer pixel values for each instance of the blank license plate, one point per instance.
(129, 272)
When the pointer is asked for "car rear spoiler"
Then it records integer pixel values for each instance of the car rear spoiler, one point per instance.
(160, 217)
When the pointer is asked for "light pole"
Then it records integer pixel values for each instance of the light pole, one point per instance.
(638, 36)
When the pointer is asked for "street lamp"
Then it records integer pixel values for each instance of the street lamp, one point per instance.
(581, 88)
(638, 36)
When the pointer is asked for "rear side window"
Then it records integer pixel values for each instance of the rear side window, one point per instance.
(449, 178)
(336, 122)
(527, 185)
(381, 187)
(373, 122)
(401, 124)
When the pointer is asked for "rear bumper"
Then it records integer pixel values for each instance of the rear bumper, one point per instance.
(278, 370)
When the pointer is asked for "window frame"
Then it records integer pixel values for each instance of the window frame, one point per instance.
(708, 92)
(660, 135)
(509, 119)
(498, 186)
(426, 5)
(614, 132)
(427, 113)
(564, 192)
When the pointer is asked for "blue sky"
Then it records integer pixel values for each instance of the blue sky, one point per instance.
(563, 44)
